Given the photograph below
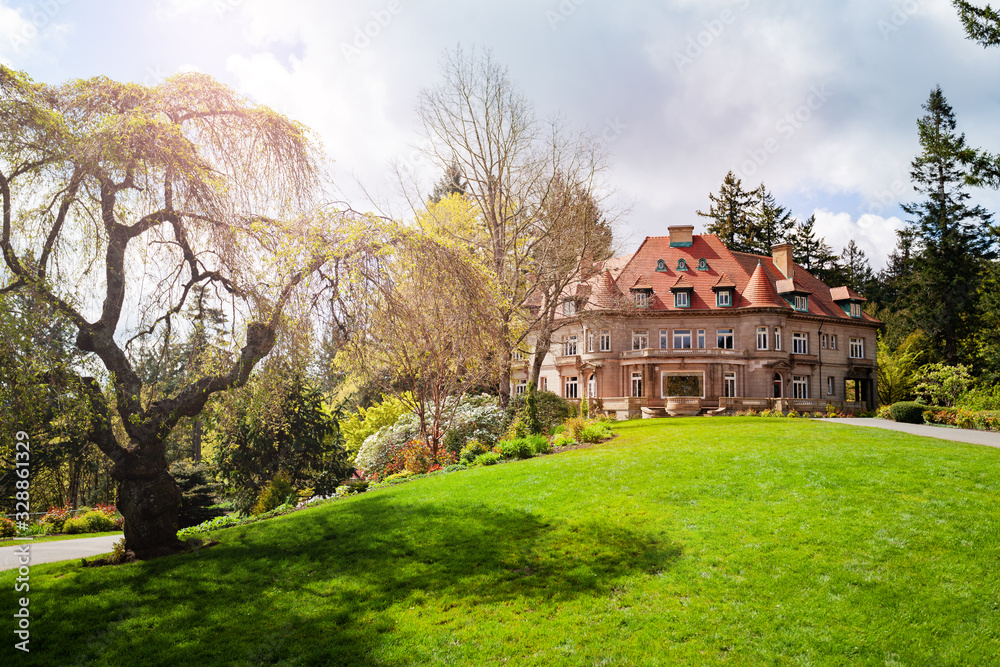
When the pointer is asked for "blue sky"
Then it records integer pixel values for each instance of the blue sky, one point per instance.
(818, 100)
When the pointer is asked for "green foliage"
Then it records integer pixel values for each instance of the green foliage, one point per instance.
(56, 517)
(539, 443)
(199, 493)
(367, 421)
(472, 449)
(474, 418)
(530, 414)
(552, 409)
(574, 427)
(896, 368)
(277, 492)
(487, 459)
(907, 412)
(7, 527)
(379, 450)
(940, 384)
(595, 432)
(980, 398)
(518, 448)
(564, 440)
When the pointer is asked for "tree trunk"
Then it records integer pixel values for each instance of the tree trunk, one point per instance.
(150, 504)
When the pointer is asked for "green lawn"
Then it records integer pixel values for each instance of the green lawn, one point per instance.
(684, 541)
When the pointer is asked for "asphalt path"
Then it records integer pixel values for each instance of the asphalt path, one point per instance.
(50, 552)
(987, 438)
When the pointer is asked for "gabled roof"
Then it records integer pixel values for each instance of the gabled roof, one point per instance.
(724, 282)
(845, 294)
(640, 283)
(682, 284)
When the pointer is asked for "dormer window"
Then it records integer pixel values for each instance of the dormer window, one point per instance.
(661, 265)
(855, 309)
(682, 299)
(641, 299)
(702, 264)
(801, 303)
(724, 298)
(724, 290)
(682, 264)
(569, 307)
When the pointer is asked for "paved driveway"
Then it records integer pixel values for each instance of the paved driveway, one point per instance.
(988, 438)
(49, 552)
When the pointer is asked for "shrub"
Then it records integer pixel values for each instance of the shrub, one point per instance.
(940, 384)
(531, 419)
(595, 432)
(883, 412)
(75, 525)
(539, 443)
(56, 517)
(518, 448)
(574, 426)
(907, 412)
(487, 459)
(367, 421)
(475, 418)
(792, 413)
(980, 399)
(199, 493)
(472, 449)
(275, 494)
(517, 429)
(97, 521)
(416, 457)
(7, 527)
(563, 441)
(379, 450)
(552, 409)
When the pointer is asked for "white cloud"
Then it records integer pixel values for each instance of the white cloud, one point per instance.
(27, 33)
(874, 234)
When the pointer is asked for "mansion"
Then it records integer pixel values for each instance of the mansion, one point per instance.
(685, 326)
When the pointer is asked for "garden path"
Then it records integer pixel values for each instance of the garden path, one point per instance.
(988, 438)
(49, 552)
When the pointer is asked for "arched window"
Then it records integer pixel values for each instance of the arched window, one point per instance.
(661, 265)
(682, 264)
(777, 385)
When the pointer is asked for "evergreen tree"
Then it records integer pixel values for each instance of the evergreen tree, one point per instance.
(771, 223)
(954, 239)
(732, 213)
(813, 254)
(858, 273)
(982, 24)
(452, 183)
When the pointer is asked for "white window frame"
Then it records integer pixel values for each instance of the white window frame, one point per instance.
(831, 386)
(592, 386)
(569, 307)
(777, 338)
(543, 383)
(570, 346)
(635, 385)
(605, 341)
(801, 303)
(855, 310)
(833, 341)
(590, 341)
(823, 340)
(729, 384)
(725, 339)
(682, 299)
(761, 338)
(723, 298)
(520, 387)
(641, 299)
(857, 350)
(640, 339)
(571, 387)
(679, 337)
(664, 338)
(800, 343)
(800, 386)
(701, 339)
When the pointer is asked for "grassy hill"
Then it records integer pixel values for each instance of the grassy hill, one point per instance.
(684, 541)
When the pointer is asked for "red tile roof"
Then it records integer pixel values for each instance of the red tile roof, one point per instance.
(754, 277)
(845, 294)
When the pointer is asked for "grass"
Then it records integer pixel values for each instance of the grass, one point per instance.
(686, 541)
(12, 541)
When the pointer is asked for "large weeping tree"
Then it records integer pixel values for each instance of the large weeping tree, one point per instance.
(120, 202)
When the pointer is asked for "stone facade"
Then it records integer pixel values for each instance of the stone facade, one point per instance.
(685, 325)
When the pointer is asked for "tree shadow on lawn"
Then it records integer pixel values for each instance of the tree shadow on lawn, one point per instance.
(323, 586)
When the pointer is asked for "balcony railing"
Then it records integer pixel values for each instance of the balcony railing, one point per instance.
(788, 404)
(658, 353)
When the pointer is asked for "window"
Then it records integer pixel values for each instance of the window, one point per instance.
(572, 388)
(661, 265)
(723, 298)
(543, 384)
(777, 385)
(682, 264)
(777, 341)
(855, 310)
(592, 386)
(682, 384)
(857, 348)
(725, 339)
(641, 299)
(761, 338)
(663, 339)
(831, 387)
(802, 303)
(833, 341)
(800, 343)
(729, 382)
(569, 307)
(520, 387)
(518, 354)
(569, 346)
(703, 264)
(800, 386)
(640, 340)
(682, 300)
(682, 339)
(605, 341)
(636, 385)
(823, 341)
(701, 339)
(590, 341)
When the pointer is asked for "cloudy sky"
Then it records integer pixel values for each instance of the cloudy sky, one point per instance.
(818, 100)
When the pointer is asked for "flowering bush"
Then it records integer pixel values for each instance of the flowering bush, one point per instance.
(983, 421)
(56, 517)
(476, 418)
(7, 527)
(379, 451)
(472, 449)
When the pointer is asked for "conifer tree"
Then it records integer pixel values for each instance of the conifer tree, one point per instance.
(982, 24)
(954, 239)
(857, 272)
(731, 212)
(813, 254)
(771, 223)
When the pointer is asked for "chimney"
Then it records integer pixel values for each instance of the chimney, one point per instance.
(681, 236)
(781, 253)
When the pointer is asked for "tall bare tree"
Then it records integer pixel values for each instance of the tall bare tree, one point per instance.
(118, 200)
(514, 164)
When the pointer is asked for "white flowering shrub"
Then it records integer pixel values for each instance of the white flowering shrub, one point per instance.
(380, 448)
